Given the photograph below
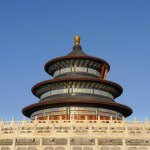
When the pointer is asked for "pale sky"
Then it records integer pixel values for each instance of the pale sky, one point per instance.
(33, 32)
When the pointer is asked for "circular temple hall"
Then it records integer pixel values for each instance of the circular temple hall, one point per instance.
(79, 90)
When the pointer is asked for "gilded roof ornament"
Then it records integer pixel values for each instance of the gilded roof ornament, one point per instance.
(77, 40)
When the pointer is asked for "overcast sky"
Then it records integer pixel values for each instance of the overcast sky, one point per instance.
(33, 32)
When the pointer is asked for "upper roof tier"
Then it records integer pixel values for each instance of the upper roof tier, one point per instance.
(76, 58)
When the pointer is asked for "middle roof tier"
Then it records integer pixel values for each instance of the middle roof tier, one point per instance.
(87, 86)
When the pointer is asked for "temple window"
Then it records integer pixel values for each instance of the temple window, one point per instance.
(77, 70)
(77, 91)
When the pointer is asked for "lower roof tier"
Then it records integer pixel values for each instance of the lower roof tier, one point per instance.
(120, 108)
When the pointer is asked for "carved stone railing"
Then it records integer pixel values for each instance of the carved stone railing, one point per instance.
(98, 134)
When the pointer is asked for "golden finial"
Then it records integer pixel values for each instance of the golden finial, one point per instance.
(77, 40)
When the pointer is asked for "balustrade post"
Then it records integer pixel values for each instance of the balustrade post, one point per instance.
(12, 121)
(14, 143)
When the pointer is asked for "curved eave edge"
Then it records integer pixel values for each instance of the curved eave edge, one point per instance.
(46, 66)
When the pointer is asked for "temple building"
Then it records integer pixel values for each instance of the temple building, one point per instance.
(76, 111)
(78, 90)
